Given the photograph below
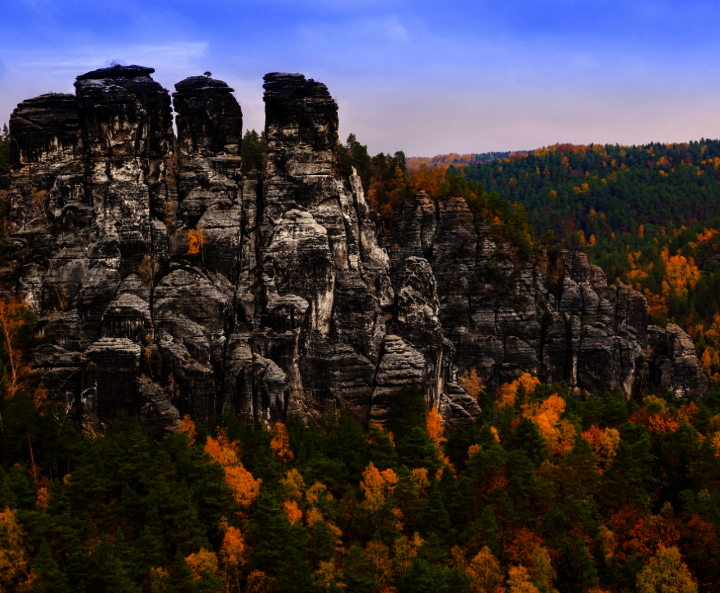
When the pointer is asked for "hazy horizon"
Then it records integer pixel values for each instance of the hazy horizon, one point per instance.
(467, 78)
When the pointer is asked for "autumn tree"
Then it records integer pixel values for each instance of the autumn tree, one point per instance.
(666, 572)
(377, 486)
(508, 391)
(197, 240)
(471, 383)
(13, 555)
(485, 572)
(280, 443)
(245, 488)
(519, 581)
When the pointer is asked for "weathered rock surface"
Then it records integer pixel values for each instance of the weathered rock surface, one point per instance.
(503, 320)
(168, 283)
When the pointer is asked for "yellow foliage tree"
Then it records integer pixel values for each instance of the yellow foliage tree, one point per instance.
(710, 361)
(681, 276)
(519, 581)
(379, 556)
(13, 558)
(420, 477)
(188, 426)
(543, 570)
(328, 576)
(716, 444)
(666, 572)
(259, 582)
(404, 550)
(604, 442)
(316, 492)
(484, 572)
(376, 486)
(294, 485)
(581, 239)
(471, 383)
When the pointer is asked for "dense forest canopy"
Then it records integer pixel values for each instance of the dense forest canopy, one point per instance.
(543, 493)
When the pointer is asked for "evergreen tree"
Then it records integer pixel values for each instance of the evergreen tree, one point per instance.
(357, 573)
(48, 578)
(576, 572)
(281, 549)
(410, 412)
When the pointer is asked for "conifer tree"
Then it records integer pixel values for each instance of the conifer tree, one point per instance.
(47, 576)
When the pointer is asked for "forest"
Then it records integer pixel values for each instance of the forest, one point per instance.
(542, 494)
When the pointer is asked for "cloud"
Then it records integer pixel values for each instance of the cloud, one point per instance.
(169, 56)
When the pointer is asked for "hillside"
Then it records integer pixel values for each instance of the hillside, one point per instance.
(649, 216)
(276, 363)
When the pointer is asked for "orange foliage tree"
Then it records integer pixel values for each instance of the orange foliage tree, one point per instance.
(197, 241)
(245, 488)
(280, 443)
(203, 561)
(232, 557)
(508, 391)
(559, 434)
(13, 555)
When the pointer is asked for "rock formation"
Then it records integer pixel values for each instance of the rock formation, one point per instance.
(168, 282)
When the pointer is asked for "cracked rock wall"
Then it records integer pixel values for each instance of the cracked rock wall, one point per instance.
(290, 302)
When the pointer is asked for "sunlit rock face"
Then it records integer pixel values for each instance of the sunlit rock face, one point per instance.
(168, 282)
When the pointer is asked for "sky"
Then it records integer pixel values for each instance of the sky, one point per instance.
(423, 77)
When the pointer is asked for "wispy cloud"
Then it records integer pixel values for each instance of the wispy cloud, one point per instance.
(170, 55)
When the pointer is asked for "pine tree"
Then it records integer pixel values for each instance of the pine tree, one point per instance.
(527, 438)
(630, 475)
(281, 549)
(410, 412)
(48, 578)
(576, 572)
(109, 572)
(76, 568)
(357, 572)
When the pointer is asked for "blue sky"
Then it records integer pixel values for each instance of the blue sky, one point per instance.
(423, 77)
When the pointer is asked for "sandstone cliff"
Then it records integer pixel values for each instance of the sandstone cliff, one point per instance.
(291, 302)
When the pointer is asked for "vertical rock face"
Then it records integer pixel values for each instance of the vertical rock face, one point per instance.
(503, 320)
(167, 283)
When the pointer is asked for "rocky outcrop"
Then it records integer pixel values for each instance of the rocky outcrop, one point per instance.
(503, 319)
(166, 282)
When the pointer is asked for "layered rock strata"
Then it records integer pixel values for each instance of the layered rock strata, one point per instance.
(557, 318)
(167, 282)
